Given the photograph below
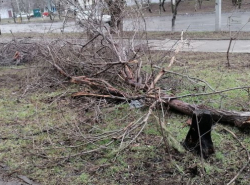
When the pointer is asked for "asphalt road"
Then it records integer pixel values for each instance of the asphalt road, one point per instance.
(194, 22)
(39, 27)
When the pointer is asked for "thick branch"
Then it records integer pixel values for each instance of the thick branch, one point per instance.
(238, 119)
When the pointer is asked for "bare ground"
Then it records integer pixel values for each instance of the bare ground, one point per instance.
(188, 7)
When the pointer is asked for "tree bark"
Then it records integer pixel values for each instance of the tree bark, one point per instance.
(174, 11)
(115, 8)
(238, 119)
(161, 5)
(14, 10)
(149, 6)
(199, 136)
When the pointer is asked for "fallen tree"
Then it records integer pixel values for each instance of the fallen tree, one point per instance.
(238, 119)
(109, 70)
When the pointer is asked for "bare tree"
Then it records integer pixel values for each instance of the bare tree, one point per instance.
(24, 6)
(174, 7)
(59, 8)
(200, 3)
(161, 5)
(38, 4)
(14, 8)
(115, 9)
(237, 3)
(148, 5)
(197, 2)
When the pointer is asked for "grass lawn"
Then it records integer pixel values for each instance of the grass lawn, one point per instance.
(47, 135)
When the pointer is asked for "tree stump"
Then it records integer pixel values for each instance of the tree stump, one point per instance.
(200, 130)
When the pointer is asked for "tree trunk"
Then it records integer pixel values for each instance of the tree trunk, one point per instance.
(161, 5)
(174, 6)
(59, 10)
(199, 136)
(239, 3)
(149, 6)
(115, 8)
(238, 119)
(200, 3)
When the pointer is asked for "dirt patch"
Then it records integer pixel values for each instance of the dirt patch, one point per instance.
(6, 179)
(188, 7)
(9, 80)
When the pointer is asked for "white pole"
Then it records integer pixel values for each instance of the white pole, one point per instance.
(218, 15)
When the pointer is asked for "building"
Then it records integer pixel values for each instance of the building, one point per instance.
(6, 10)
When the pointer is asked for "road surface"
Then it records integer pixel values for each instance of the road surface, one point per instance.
(190, 22)
(40, 27)
(193, 22)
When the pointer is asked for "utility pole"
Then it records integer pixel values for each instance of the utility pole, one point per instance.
(218, 15)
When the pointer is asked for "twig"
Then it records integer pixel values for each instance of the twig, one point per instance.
(56, 66)
(248, 157)
(91, 40)
(188, 77)
(215, 92)
(202, 159)
(228, 49)
(98, 96)
(13, 35)
(230, 42)
(88, 151)
(162, 126)
(143, 123)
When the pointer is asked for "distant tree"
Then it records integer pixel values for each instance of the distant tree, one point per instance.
(161, 5)
(148, 5)
(115, 8)
(198, 2)
(237, 3)
(59, 7)
(24, 6)
(174, 6)
(14, 8)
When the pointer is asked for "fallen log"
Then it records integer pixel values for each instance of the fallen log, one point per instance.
(238, 119)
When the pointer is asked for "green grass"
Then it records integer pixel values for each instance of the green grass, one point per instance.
(42, 131)
(212, 69)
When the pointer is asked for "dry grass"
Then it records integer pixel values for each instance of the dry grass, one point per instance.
(45, 130)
